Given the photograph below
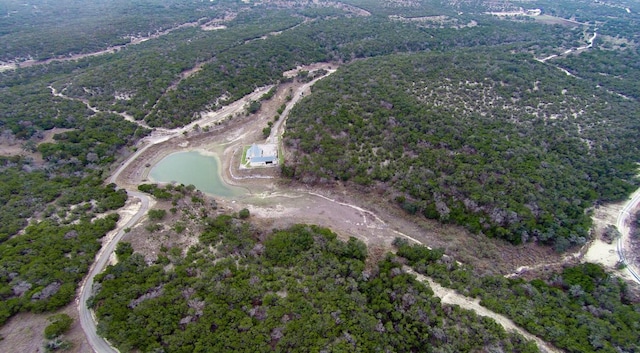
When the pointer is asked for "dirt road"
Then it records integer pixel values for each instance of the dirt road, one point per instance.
(270, 201)
(87, 320)
(451, 297)
(278, 126)
(5, 66)
(569, 51)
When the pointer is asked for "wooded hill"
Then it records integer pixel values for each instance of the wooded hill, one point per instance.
(580, 309)
(89, 26)
(243, 289)
(237, 60)
(496, 142)
(509, 173)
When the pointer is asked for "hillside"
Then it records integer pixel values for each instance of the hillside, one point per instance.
(498, 143)
(298, 289)
(513, 126)
(242, 288)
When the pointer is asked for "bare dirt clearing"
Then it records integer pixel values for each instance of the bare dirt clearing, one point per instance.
(25, 332)
(277, 203)
(599, 250)
(618, 254)
(7, 149)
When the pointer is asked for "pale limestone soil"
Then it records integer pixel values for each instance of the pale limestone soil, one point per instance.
(621, 215)
(600, 251)
(451, 297)
(24, 332)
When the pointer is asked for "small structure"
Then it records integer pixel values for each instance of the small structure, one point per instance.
(262, 155)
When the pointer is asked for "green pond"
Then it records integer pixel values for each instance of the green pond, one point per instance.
(193, 168)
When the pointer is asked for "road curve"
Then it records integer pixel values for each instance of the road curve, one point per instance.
(451, 297)
(87, 321)
(623, 224)
(276, 130)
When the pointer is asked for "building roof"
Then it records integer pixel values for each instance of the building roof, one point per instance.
(267, 150)
(254, 151)
(263, 159)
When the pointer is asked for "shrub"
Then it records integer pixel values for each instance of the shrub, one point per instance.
(157, 215)
(244, 213)
(60, 323)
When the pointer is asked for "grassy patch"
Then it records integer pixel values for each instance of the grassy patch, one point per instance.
(244, 160)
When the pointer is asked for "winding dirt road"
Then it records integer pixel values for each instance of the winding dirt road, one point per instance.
(279, 203)
(278, 127)
(5, 66)
(87, 321)
(451, 297)
(569, 51)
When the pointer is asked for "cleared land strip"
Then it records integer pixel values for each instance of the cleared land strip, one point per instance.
(5, 66)
(451, 297)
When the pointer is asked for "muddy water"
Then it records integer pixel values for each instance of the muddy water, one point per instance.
(193, 167)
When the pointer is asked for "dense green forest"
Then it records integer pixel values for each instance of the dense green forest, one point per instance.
(581, 309)
(25, 30)
(255, 48)
(40, 269)
(241, 288)
(70, 175)
(614, 70)
(40, 265)
(611, 18)
(450, 116)
(295, 289)
(498, 143)
(234, 64)
(60, 196)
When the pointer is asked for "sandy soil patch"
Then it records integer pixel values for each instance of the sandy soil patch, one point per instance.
(217, 23)
(24, 332)
(599, 251)
(622, 216)
(310, 68)
(48, 135)
(13, 150)
(7, 67)
(212, 27)
(150, 243)
(127, 212)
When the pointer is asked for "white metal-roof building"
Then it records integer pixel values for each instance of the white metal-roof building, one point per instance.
(262, 155)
